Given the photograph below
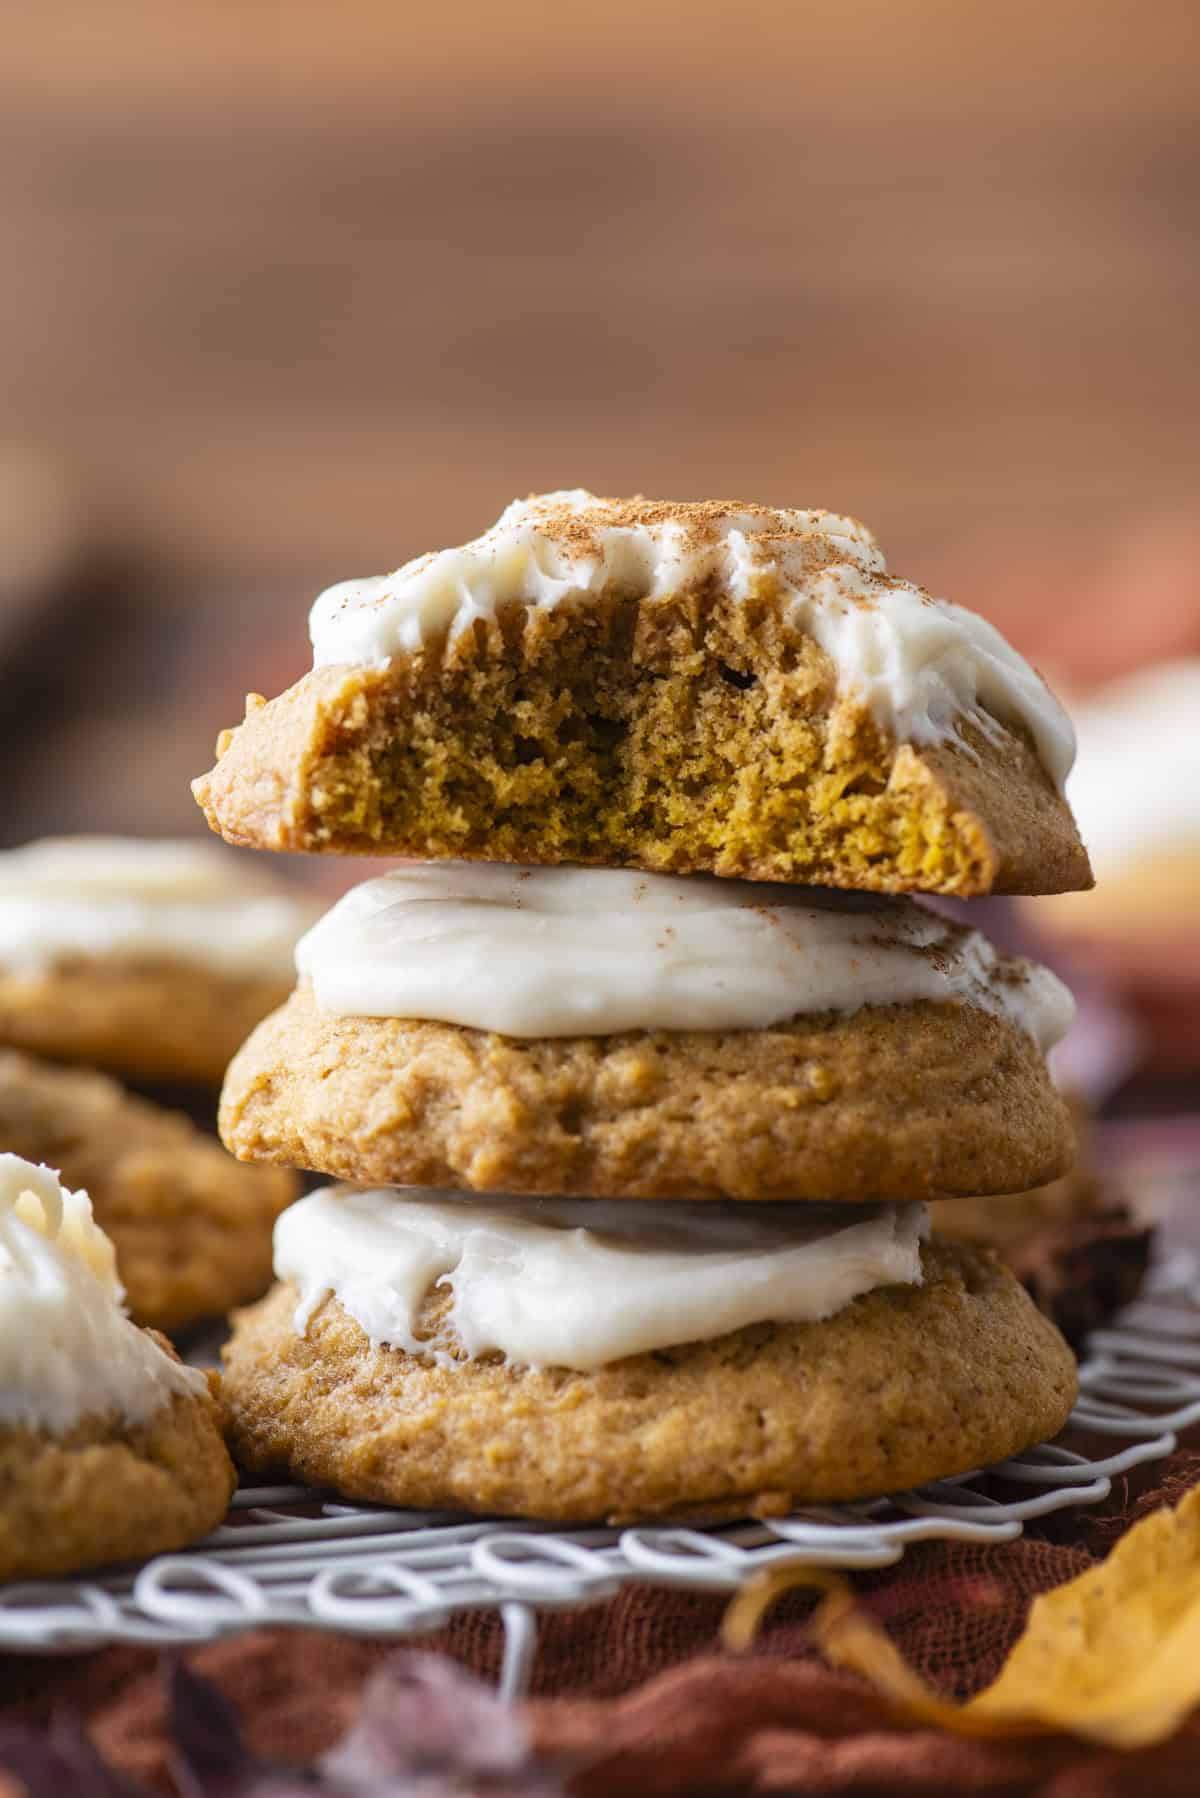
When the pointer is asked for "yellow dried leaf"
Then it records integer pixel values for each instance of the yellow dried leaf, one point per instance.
(1115, 1654)
(1112, 1656)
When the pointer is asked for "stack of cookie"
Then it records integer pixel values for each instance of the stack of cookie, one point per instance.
(643, 1157)
(141, 964)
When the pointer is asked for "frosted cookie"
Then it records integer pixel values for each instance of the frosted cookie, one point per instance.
(669, 1360)
(150, 958)
(191, 1228)
(638, 1036)
(677, 687)
(110, 1449)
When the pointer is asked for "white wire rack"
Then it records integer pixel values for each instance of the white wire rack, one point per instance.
(290, 1557)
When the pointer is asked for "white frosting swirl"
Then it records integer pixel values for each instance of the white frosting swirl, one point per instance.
(141, 899)
(581, 1283)
(592, 951)
(67, 1350)
(920, 665)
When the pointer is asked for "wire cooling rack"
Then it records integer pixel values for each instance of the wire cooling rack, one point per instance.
(287, 1556)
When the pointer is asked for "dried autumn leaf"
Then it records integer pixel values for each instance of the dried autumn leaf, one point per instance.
(1115, 1654)
(1112, 1656)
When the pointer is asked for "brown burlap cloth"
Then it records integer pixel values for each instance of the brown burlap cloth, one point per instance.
(638, 1696)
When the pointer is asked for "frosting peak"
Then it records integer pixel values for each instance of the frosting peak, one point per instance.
(67, 1350)
(919, 664)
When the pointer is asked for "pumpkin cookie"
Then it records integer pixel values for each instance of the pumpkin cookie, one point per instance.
(905, 1384)
(636, 1036)
(191, 1229)
(110, 1449)
(895, 1102)
(150, 959)
(676, 687)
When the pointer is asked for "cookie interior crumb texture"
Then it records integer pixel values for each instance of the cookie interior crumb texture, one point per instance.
(681, 734)
(904, 1385)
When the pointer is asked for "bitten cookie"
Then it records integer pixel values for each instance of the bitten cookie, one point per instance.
(191, 1228)
(677, 687)
(110, 1449)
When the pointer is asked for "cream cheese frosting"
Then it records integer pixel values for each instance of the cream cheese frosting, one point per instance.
(1135, 788)
(142, 899)
(593, 951)
(920, 665)
(581, 1283)
(67, 1350)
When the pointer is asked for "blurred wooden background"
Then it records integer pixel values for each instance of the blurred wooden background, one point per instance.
(294, 291)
